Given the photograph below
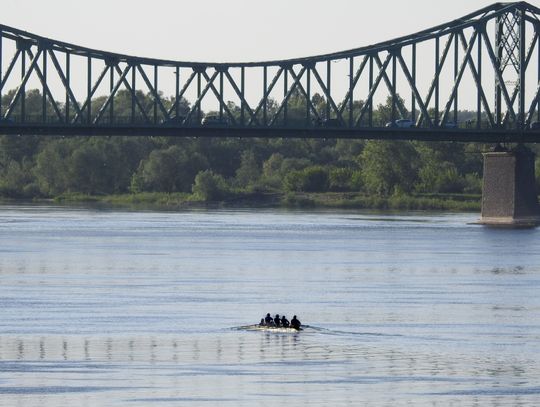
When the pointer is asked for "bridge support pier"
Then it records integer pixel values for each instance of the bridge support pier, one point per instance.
(509, 197)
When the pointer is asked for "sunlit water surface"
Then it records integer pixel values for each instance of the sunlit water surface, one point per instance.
(111, 308)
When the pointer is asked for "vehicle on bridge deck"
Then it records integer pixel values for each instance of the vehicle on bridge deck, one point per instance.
(174, 121)
(329, 123)
(449, 124)
(535, 126)
(402, 123)
(214, 120)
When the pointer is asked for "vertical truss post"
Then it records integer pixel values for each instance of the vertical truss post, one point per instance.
(44, 86)
(177, 93)
(370, 112)
(265, 100)
(243, 95)
(328, 86)
(111, 88)
(1, 68)
(23, 91)
(89, 89)
(68, 82)
(221, 101)
(479, 86)
(437, 68)
(308, 95)
(413, 98)
(133, 77)
(522, 68)
(285, 91)
(394, 84)
(499, 35)
(456, 73)
(537, 29)
(351, 91)
(199, 93)
(156, 89)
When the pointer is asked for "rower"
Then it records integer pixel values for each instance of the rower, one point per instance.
(284, 322)
(262, 323)
(268, 320)
(277, 321)
(295, 323)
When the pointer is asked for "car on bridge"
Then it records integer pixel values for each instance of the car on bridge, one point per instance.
(535, 126)
(174, 121)
(402, 123)
(449, 124)
(328, 123)
(214, 120)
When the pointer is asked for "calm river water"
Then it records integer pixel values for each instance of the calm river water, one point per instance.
(120, 308)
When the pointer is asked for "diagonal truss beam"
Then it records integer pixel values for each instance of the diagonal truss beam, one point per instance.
(498, 73)
(240, 95)
(435, 81)
(467, 61)
(154, 92)
(133, 93)
(414, 89)
(64, 80)
(22, 84)
(373, 89)
(91, 94)
(349, 96)
(47, 92)
(180, 94)
(210, 81)
(10, 68)
(219, 96)
(264, 99)
(326, 91)
(400, 106)
(515, 93)
(111, 96)
(304, 92)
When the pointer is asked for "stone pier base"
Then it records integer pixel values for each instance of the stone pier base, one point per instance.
(509, 197)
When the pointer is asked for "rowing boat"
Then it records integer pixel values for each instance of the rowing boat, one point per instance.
(266, 328)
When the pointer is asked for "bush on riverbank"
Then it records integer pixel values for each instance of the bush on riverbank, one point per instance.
(334, 200)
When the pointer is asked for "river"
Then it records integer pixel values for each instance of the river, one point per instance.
(142, 308)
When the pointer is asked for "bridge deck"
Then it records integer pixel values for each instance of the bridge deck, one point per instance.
(365, 133)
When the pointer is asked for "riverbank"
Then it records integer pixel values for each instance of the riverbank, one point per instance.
(333, 200)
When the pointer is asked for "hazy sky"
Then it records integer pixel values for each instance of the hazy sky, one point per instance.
(228, 30)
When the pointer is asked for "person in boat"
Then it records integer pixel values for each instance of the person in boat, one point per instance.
(295, 323)
(277, 321)
(262, 323)
(284, 322)
(268, 320)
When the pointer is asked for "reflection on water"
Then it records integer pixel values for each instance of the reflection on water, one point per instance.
(255, 366)
(137, 309)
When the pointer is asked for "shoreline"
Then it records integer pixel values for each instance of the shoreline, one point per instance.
(328, 200)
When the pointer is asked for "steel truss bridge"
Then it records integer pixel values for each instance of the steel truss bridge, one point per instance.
(487, 63)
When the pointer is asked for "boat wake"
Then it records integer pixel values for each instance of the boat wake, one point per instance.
(309, 329)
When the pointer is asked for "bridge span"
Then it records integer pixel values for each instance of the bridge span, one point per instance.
(475, 78)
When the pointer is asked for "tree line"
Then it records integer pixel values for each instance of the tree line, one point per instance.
(215, 168)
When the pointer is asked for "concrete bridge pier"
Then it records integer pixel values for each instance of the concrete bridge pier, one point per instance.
(509, 196)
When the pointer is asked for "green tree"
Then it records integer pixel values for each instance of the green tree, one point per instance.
(249, 171)
(52, 168)
(340, 179)
(388, 166)
(311, 179)
(209, 186)
(171, 170)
